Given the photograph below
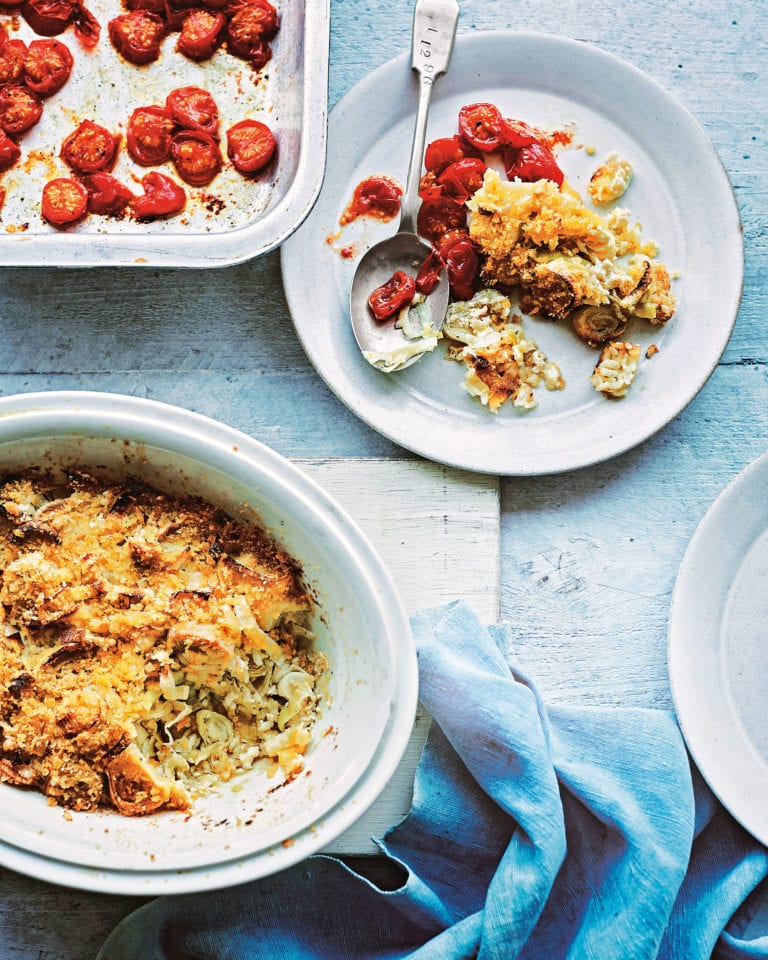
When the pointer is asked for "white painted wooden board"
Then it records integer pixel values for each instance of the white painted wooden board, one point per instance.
(438, 532)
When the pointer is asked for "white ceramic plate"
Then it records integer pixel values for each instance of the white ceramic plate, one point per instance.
(254, 825)
(680, 193)
(718, 655)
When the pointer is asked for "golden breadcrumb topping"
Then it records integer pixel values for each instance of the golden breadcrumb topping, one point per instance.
(609, 182)
(150, 645)
(561, 255)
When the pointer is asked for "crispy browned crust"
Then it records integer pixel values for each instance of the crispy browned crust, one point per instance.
(101, 585)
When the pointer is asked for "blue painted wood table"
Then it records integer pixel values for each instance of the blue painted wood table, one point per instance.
(587, 559)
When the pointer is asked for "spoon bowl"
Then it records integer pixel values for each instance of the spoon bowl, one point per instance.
(385, 344)
(403, 251)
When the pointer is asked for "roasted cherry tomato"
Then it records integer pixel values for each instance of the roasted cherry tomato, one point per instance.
(90, 148)
(20, 108)
(194, 109)
(377, 197)
(260, 55)
(137, 35)
(2, 197)
(246, 35)
(196, 156)
(9, 152)
(444, 151)
(263, 20)
(250, 146)
(462, 179)
(174, 16)
(162, 197)
(462, 264)
(12, 57)
(517, 133)
(149, 134)
(201, 33)
(87, 27)
(428, 276)
(4, 38)
(47, 66)
(438, 217)
(535, 162)
(65, 201)
(48, 17)
(106, 195)
(480, 125)
(386, 300)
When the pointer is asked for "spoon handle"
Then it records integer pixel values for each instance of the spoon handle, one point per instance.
(434, 30)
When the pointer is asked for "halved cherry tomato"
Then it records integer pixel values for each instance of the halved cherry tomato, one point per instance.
(438, 217)
(462, 264)
(535, 162)
(377, 197)
(250, 146)
(12, 56)
(428, 276)
(386, 300)
(20, 108)
(480, 125)
(194, 109)
(149, 135)
(264, 21)
(162, 197)
(47, 66)
(517, 133)
(106, 195)
(444, 151)
(201, 33)
(462, 179)
(48, 17)
(136, 35)
(90, 148)
(65, 201)
(87, 27)
(249, 27)
(196, 156)
(9, 152)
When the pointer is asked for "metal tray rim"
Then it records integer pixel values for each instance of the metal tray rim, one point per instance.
(210, 250)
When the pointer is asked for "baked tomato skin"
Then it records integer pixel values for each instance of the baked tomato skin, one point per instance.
(47, 66)
(148, 135)
(462, 179)
(151, 6)
(196, 156)
(12, 57)
(136, 36)
(193, 109)
(387, 300)
(90, 148)
(87, 27)
(106, 195)
(251, 146)
(440, 216)
(480, 125)
(64, 201)
(162, 197)
(201, 33)
(444, 151)
(48, 18)
(531, 163)
(428, 276)
(462, 264)
(9, 152)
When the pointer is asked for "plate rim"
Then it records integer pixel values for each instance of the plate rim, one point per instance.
(427, 447)
(730, 791)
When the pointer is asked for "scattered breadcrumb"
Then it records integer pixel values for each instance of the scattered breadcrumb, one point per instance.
(651, 351)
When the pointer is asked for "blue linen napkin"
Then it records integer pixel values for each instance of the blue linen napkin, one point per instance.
(536, 833)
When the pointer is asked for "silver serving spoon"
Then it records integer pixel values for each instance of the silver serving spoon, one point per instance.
(434, 30)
